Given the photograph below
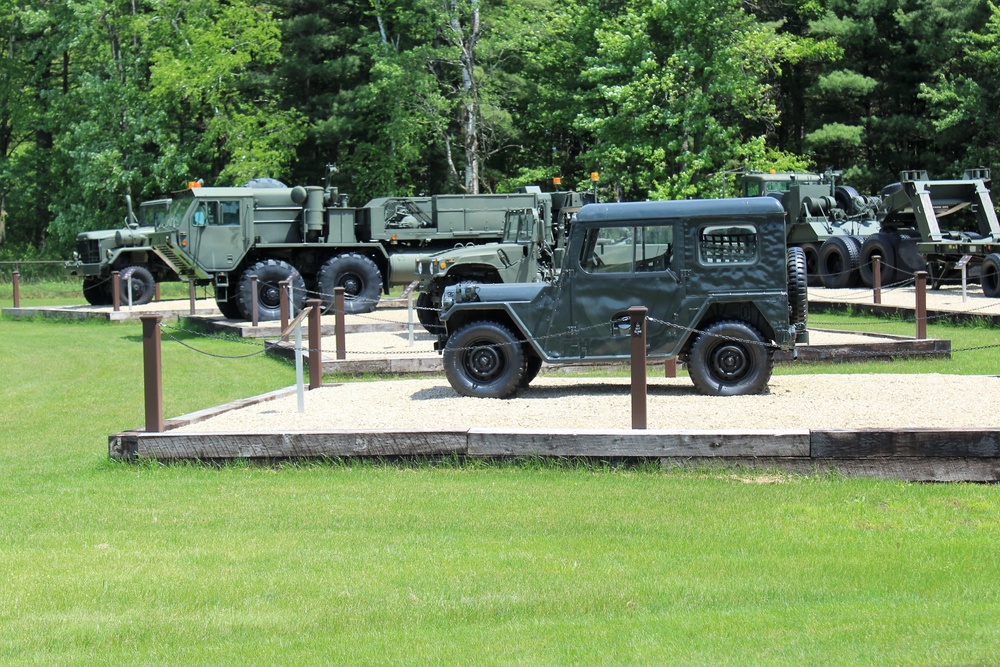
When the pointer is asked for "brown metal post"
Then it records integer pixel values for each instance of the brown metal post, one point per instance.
(670, 368)
(152, 365)
(921, 305)
(116, 291)
(156, 291)
(191, 296)
(315, 344)
(637, 330)
(254, 296)
(877, 278)
(283, 304)
(339, 324)
(17, 289)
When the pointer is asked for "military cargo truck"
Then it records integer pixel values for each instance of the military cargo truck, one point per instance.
(912, 239)
(828, 221)
(722, 289)
(524, 254)
(310, 237)
(126, 250)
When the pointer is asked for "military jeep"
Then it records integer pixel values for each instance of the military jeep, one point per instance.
(722, 294)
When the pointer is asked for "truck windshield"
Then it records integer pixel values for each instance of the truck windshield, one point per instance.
(518, 227)
(175, 214)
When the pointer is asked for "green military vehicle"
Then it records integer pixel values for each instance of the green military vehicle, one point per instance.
(524, 254)
(311, 238)
(722, 293)
(126, 250)
(828, 221)
(911, 238)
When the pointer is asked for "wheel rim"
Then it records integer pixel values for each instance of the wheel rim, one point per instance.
(352, 284)
(730, 361)
(484, 362)
(270, 296)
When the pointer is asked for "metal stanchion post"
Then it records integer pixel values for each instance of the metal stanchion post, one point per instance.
(192, 297)
(116, 291)
(637, 331)
(340, 323)
(409, 316)
(877, 278)
(670, 367)
(152, 372)
(17, 289)
(315, 343)
(921, 304)
(156, 291)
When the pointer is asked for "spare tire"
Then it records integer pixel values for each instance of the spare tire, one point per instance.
(838, 262)
(798, 296)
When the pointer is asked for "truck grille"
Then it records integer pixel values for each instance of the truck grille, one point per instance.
(90, 251)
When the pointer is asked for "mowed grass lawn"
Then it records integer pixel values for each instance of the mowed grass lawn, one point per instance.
(531, 564)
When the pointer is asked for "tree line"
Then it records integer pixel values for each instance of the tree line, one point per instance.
(662, 98)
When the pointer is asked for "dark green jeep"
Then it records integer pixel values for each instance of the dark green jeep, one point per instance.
(722, 293)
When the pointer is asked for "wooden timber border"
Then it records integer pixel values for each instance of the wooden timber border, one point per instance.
(908, 454)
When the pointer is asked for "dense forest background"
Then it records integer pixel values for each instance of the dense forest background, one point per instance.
(664, 98)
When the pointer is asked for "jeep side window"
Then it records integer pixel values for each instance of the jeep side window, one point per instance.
(728, 244)
(627, 249)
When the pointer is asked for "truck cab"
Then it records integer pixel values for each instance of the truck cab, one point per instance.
(714, 275)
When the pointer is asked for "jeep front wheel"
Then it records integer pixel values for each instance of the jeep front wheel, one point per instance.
(485, 360)
(730, 359)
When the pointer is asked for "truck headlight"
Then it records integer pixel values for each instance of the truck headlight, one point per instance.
(447, 299)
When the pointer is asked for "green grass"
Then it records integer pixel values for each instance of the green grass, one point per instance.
(364, 563)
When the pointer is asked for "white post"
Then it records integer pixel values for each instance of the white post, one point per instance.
(964, 293)
(130, 293)
(409, 311)
(298, 366)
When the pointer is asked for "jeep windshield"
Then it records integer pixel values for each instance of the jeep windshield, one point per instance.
(175, 214)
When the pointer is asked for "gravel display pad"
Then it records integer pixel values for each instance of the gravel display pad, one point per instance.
(553, 402)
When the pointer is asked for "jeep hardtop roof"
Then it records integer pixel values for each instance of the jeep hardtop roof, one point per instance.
(681, 208)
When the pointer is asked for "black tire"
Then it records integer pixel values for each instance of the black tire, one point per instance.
(428, 310)
(884, 245)
(990, 275)
(484, 359)
(97, 291)
(533, 364)
(730, 358)
(359, 277)
(230, 309)
(269, 273)
(142, 283)
(845, 196)
(798, 292)
(838, 262)
(812, 263)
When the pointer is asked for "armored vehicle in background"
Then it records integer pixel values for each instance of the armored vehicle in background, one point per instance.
(524, 254)
(828, 221)
(126, 250)
(722, 293)
(311, 238)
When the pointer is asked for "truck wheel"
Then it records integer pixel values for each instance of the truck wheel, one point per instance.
(359, 277)
(269, 273)
(883, 245)
(142, 282)
(97, 291)
(428, 311)
(484, 359)
(730, 359)
(533, 364)
(990, 276)
(798, 294)
(838, 262)
(812, 263)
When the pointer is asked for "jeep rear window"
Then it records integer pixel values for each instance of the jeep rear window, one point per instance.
(728, 244)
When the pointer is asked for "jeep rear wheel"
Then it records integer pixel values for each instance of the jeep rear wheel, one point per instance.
(484, 359)
(730, 359)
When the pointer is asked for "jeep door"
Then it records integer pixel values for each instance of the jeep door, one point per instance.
(612, 265)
